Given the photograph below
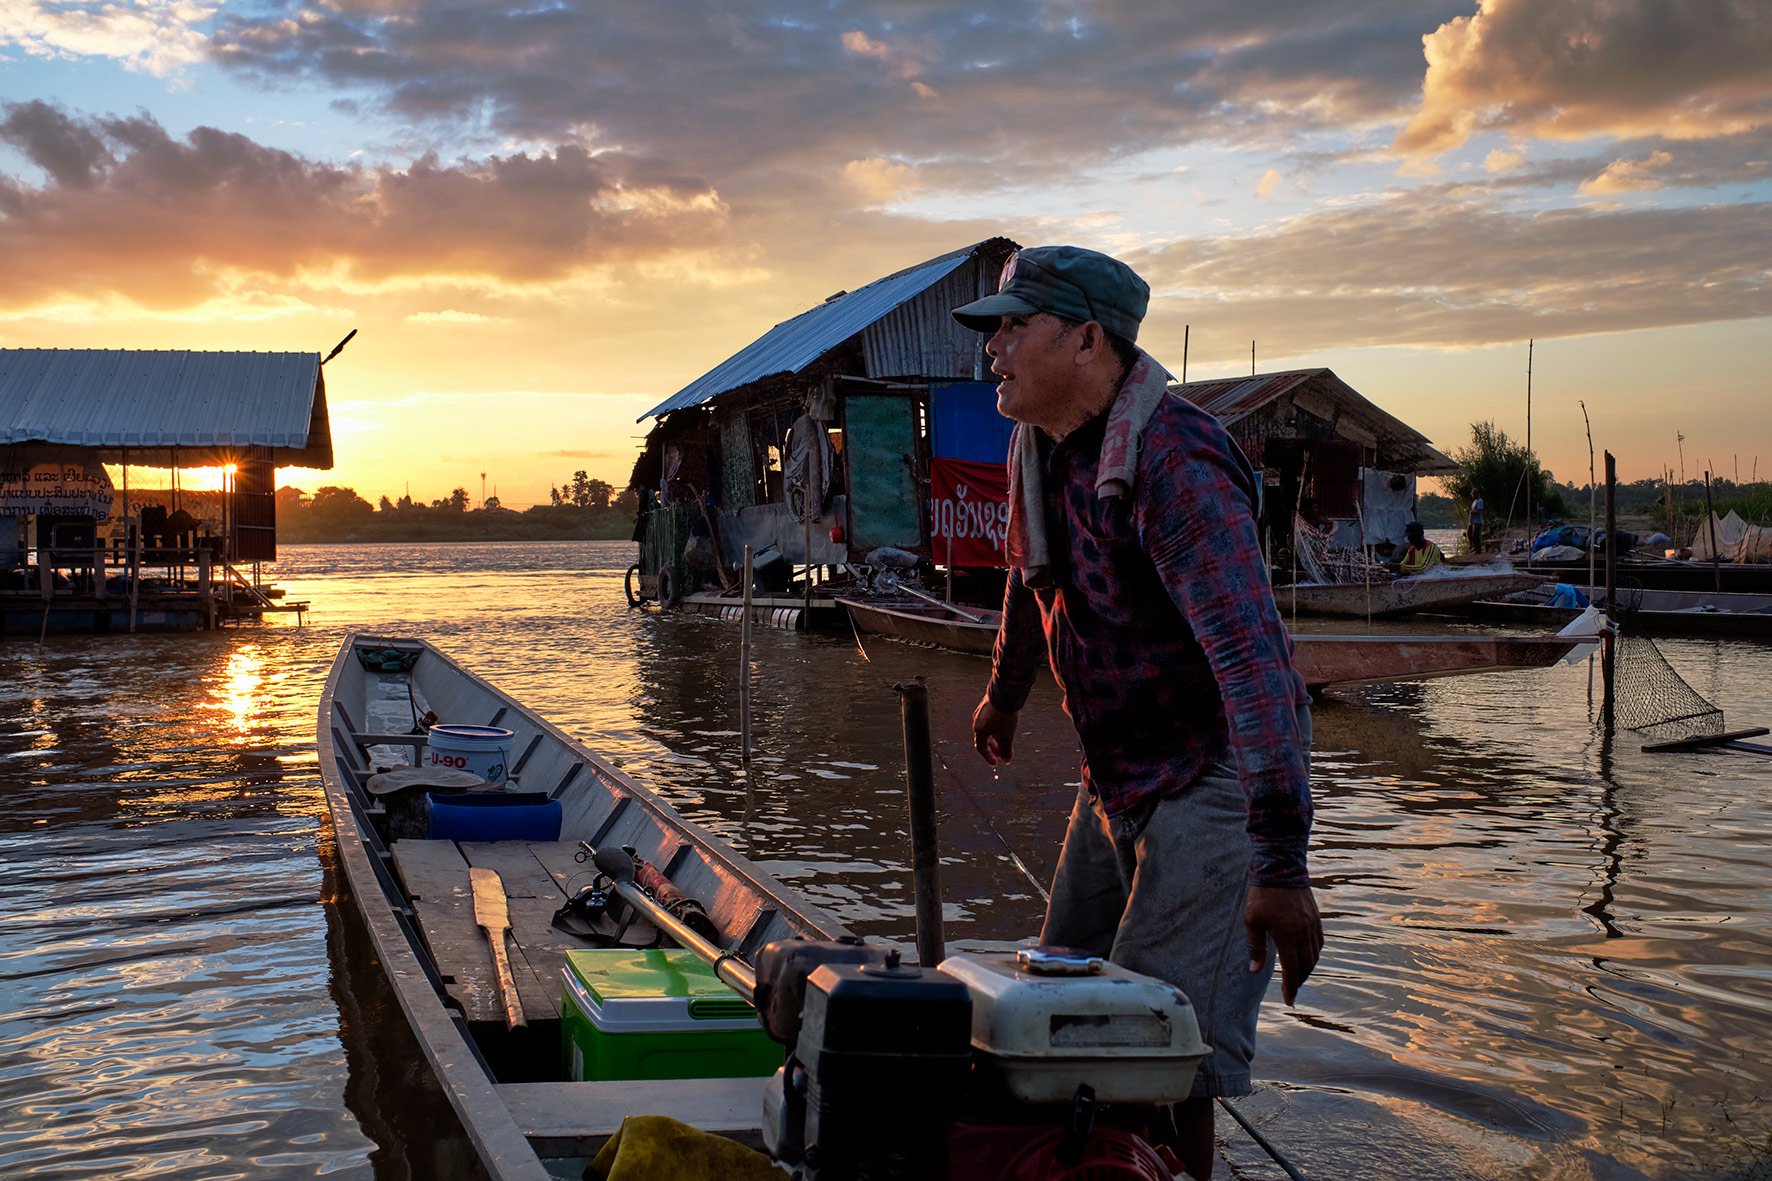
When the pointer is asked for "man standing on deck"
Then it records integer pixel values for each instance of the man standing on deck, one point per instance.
(1135, 564)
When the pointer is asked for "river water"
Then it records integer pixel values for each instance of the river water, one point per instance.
(1550, 954)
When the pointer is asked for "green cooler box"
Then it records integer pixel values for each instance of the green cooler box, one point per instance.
(657, 1014)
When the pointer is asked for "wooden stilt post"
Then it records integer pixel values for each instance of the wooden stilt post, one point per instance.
(744, 662)
(135, 569)
(46, 579)
(205, 589)
(925, 851)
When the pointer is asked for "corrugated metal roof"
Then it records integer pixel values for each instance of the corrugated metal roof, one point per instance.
(1401, 447)
(1230, 398)
(794, 344)
(116, 398)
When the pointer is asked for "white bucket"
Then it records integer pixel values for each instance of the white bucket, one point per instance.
(483, 750)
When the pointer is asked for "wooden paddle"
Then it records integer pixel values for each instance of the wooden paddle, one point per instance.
(968, 616)
(491, 914)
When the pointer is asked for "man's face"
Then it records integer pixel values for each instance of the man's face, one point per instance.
(1037, 368)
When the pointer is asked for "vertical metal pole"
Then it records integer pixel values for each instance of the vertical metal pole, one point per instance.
(925, 854)
(1608, 649)
(744, 663)
(1710, 522)
(1186, 331)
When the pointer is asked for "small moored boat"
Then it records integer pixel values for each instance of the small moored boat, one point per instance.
(1323, 660)
(1397, 596)
(417, 899)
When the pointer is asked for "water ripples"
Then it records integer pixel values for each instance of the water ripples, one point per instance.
(1548, 954)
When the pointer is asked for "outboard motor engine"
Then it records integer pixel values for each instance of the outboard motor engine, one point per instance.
(1074, 1057)
(876, 1074)
(1037, 1065)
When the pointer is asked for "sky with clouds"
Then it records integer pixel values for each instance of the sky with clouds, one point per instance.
(545, 218)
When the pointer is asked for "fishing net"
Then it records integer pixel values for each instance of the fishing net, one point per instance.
(1654, 700)
(1320, 563)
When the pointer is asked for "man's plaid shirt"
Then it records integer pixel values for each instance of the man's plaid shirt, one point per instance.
(1163, 633)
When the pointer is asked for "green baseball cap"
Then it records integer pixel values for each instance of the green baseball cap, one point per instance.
(1067, 281)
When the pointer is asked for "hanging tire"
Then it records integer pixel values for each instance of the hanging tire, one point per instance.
(629, 589)
(669, 592)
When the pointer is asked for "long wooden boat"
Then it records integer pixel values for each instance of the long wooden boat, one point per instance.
(1323, 660)
(414, 895)
(1669, 574)
(1649, 612)
(1399, 596)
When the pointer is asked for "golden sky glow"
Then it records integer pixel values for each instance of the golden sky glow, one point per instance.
(543, 221)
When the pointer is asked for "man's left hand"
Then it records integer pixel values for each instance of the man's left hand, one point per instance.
(1290, 918)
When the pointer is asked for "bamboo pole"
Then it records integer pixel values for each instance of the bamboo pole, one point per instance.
(744, 662)
(950, 587)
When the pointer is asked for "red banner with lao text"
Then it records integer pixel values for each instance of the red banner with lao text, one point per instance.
(969, 505)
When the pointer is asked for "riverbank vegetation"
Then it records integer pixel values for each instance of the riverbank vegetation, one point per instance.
(582, 510)
(1501, 470)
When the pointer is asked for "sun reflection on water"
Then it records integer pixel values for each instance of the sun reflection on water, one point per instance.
(238, 696)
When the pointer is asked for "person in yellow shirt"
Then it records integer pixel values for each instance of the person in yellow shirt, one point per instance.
(1422, 554)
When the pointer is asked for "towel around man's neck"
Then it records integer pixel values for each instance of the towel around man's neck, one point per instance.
(1138, 398)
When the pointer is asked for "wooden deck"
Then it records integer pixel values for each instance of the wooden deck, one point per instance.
(537, 877)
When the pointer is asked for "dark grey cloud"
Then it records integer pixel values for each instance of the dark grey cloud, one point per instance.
(1415, 270)
(71, 152)
(129, 208)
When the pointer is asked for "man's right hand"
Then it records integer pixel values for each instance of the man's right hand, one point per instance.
(993, 732)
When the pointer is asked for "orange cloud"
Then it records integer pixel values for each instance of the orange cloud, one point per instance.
(1579, 68)
(904, 62)
(127, 209)
(1622, 176)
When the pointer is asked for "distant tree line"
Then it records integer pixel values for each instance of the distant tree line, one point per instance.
(1509, 478)
(583, 509)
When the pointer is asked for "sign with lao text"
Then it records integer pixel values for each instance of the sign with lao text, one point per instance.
(56, 490)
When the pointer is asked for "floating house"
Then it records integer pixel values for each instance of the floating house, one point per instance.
(81, 551)
(868, 423)
(812, 445)
(1319, 443)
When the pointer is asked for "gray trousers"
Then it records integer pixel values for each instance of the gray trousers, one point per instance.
(1160, 889)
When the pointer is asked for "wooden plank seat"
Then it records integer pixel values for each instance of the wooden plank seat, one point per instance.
(537, 877)
(575, 1118)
